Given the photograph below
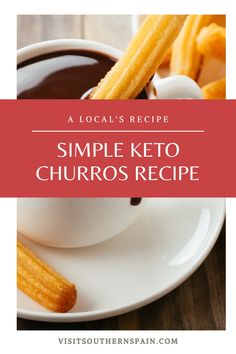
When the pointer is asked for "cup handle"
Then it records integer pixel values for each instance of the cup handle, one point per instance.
(174, 87)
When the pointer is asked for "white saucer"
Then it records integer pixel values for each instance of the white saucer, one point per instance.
(153, 256)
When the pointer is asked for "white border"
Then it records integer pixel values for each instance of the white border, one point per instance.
(128, 7)
(28, 342)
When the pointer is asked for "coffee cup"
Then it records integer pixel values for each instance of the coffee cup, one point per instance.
(78, 222)
(75, 222)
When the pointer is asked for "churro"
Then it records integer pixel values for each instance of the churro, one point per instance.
(211, 41)
(140, 61)
(166, 60)
(215, 90)
(42, 283)
(185, 58)
(220, 20)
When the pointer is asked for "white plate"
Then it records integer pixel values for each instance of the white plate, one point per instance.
(153, 256)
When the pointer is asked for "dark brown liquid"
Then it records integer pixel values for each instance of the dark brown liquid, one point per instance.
(135, 201)
(64, 75)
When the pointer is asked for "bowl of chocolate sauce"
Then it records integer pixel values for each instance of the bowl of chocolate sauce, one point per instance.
(63, 69)
(68, 69)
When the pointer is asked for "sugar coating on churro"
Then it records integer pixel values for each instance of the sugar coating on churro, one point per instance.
(42, 283)
(140, 61)
(215, 90)
(211, 41)
(185, 58)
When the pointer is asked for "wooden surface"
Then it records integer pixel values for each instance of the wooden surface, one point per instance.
(199, 303)
(113, 30)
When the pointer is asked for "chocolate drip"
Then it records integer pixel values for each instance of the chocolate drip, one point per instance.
(135, 201)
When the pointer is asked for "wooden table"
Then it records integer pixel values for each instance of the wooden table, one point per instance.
(113, 30)
(199, 303)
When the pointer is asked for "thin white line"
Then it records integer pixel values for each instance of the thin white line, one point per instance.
(118, 131)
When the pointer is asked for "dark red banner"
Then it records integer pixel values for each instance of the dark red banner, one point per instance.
(179, 148)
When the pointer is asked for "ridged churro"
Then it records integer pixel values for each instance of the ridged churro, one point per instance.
(185, 58)
(211, 41)
(140, 61)
(42, 283)
(215, 90)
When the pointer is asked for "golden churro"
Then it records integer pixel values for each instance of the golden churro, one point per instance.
(140, 61)
(219, 20)
(42, 283)
(185, 58)
(166, 60)
(211, 41)
(215, 90)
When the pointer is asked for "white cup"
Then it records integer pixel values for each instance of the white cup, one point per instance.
(74, 222)
(77, 222)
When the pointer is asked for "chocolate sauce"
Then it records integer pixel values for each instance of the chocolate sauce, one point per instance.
(135, 201)
(62, 75)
